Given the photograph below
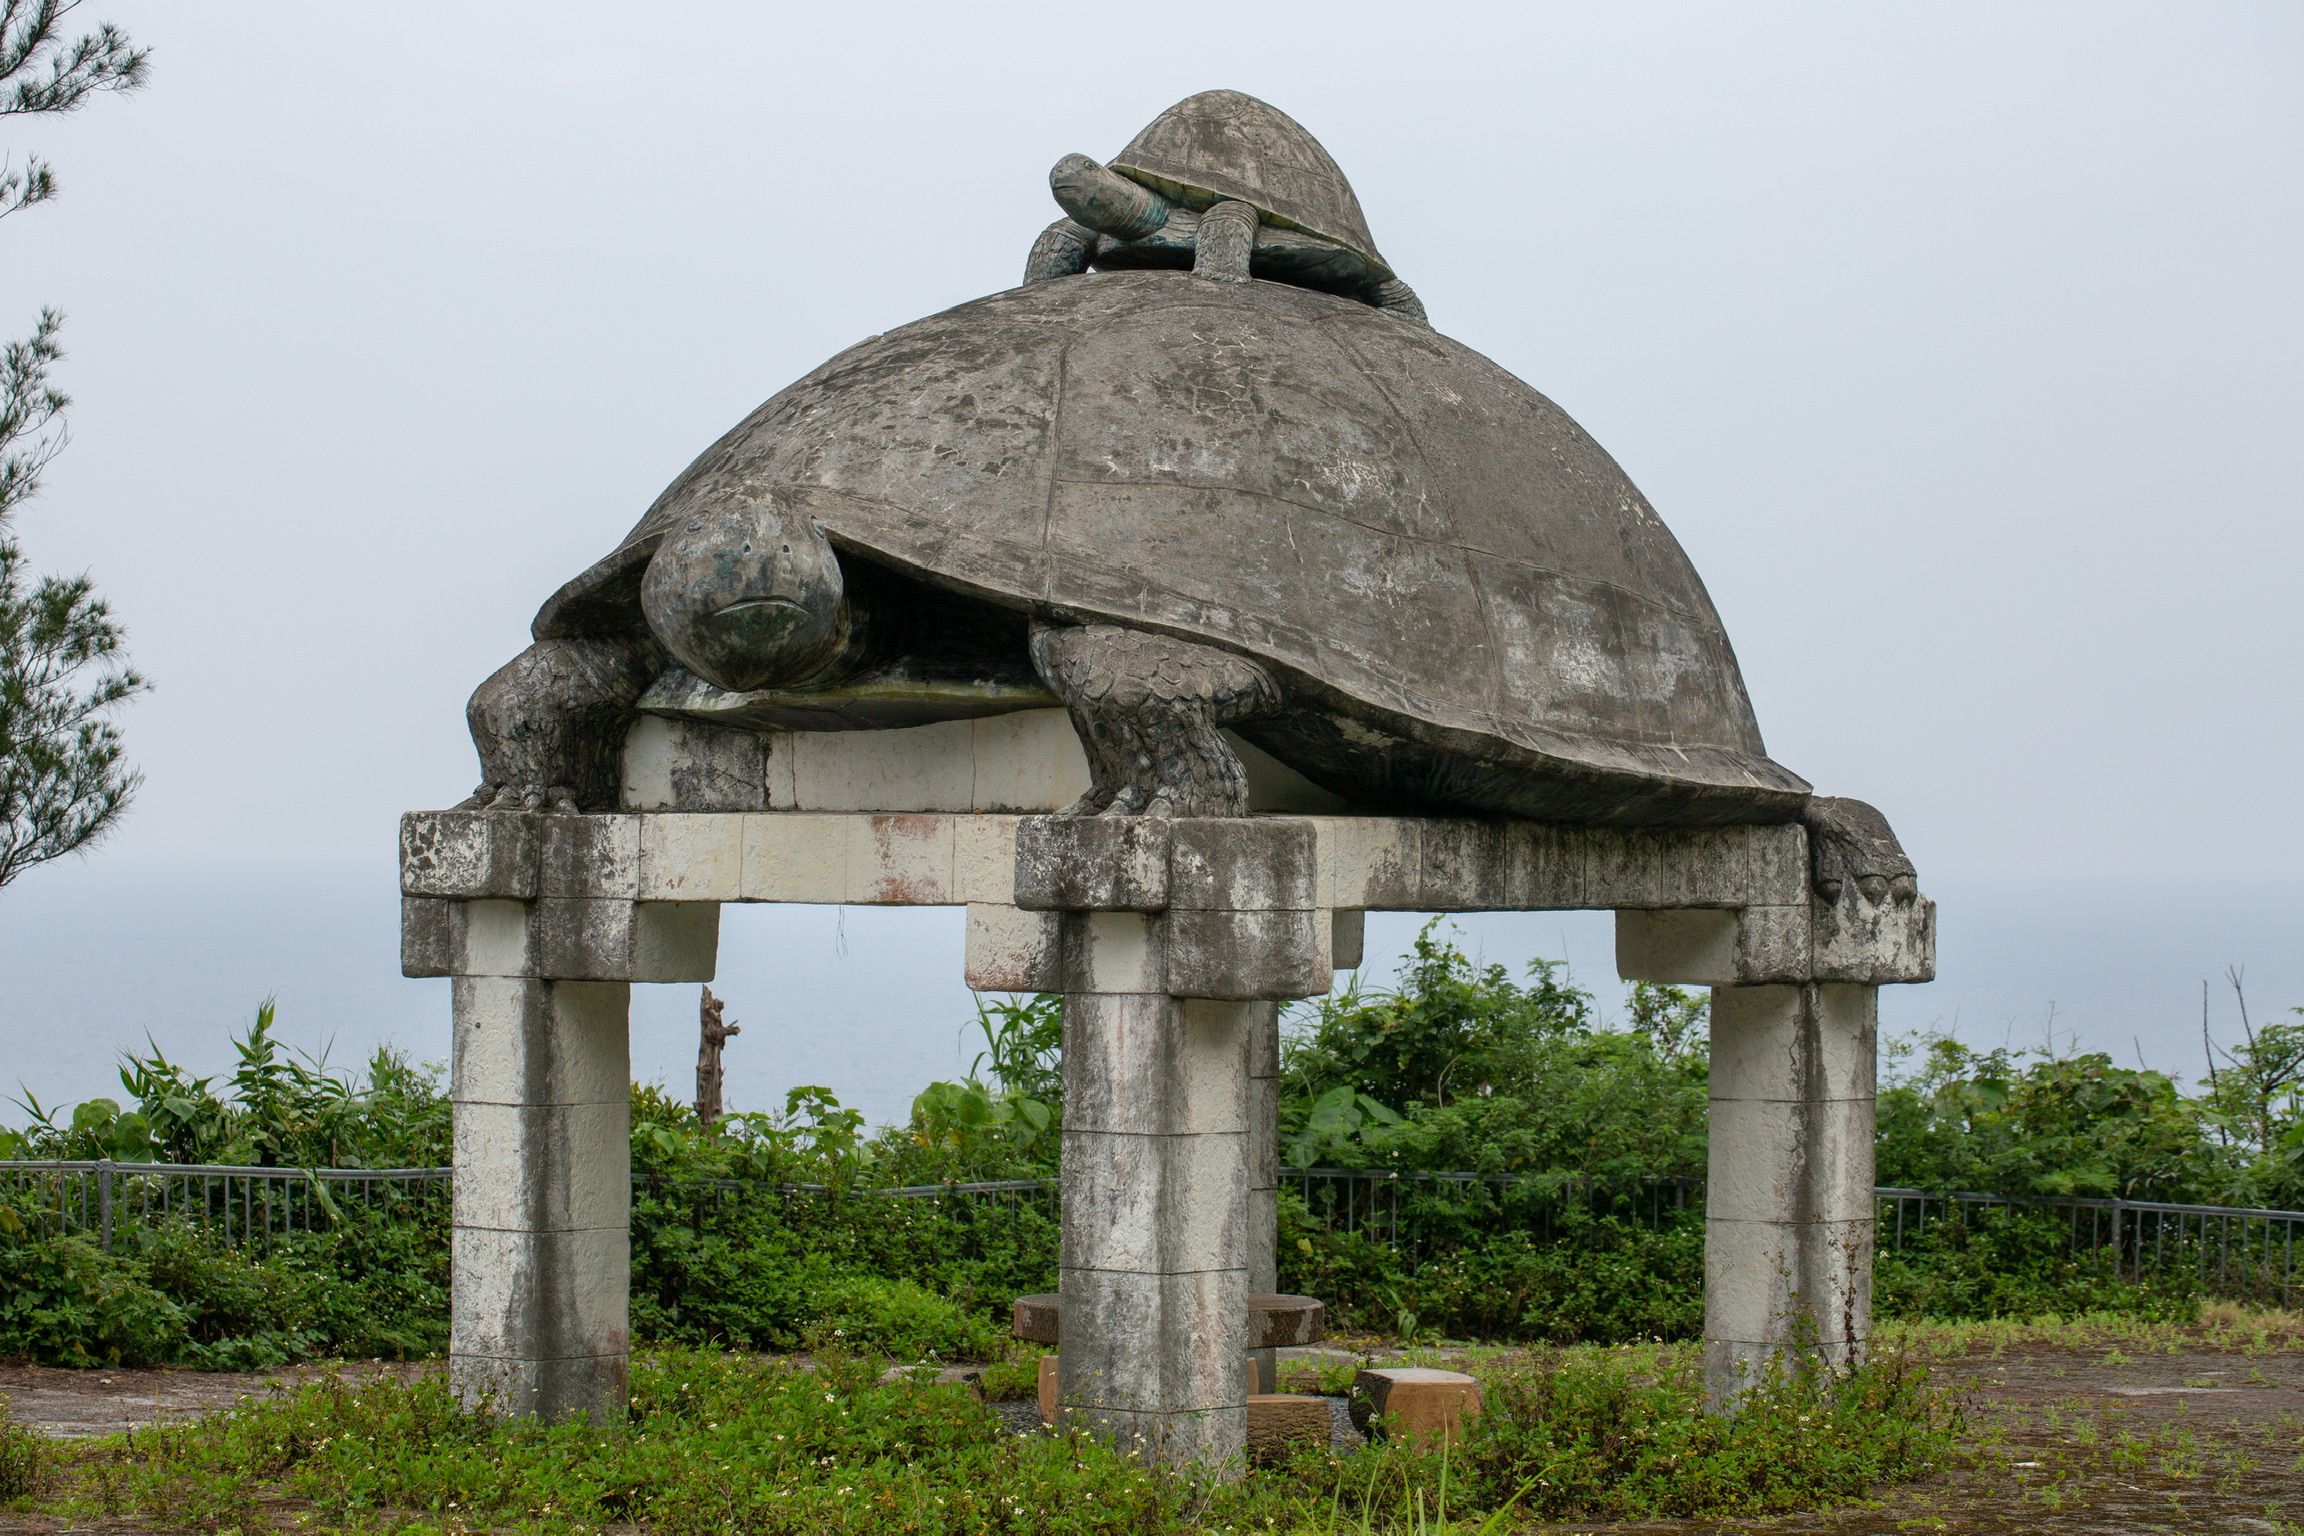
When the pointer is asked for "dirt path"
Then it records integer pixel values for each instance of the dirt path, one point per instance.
(2091, 1443)
(70, 1404)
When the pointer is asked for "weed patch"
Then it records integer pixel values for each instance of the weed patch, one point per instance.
(717, 1442)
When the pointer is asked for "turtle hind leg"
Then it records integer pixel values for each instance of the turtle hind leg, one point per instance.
(1851, 843)
(1227, 242)
(1395, 297)
(1148, 709)
(549, 724)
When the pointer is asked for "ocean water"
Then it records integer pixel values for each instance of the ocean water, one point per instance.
(99, 958)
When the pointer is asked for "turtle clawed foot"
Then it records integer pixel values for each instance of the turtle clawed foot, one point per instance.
(1849, 841)
(519, 799)
(1902, 889)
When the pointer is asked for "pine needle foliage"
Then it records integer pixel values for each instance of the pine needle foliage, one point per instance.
(64, 779)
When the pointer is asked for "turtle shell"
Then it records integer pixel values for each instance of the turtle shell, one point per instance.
(1224, 144)
(1421, 544)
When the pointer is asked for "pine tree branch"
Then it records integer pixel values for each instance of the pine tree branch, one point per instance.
(40, 72)
(21, 189)
(63, 781)
(63, 784)
(31, 411)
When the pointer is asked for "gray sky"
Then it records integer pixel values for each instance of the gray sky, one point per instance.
(1960, 344)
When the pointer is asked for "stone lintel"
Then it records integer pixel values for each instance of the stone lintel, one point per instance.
(560, 938)
(1400, 863)
(1852, 940)
(1276, 862)
(1718, 905)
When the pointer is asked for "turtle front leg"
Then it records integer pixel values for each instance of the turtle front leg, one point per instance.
(1148, 709)
(1227, 242)
(1062, 250)
(550, 723)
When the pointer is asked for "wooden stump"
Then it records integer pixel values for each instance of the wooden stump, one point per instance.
(1414, 1403)
(1278, 1422)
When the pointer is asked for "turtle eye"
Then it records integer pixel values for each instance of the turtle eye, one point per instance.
(785, 550)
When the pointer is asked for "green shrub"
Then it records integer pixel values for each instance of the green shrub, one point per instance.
(1598, 1279)
(22, 1458)
(64, 1301)
(755, 1269)
(1623, 1434)
(279, 1109)
(375, 1285)
(901, 1318)
(2014, 1262)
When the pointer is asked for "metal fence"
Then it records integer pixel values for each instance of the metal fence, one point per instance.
(2235, 1251)
(1419, 1212)
(244, 1206)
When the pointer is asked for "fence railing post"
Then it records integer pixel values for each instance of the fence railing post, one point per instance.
(104, 1203)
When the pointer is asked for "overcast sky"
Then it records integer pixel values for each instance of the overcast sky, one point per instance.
(1962, 346)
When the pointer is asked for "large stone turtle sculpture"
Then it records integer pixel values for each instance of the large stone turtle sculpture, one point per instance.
(1181, 503)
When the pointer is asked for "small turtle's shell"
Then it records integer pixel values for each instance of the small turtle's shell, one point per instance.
(1223, 144)
(1416, 540)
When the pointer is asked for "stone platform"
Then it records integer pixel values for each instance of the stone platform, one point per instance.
(1173, 943)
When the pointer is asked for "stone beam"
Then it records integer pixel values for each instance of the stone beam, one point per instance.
(1357, 863)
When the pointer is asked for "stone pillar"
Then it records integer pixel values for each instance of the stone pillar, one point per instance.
(537, 921)
(1795, 984)
(1264, 1171)
(1789, 1208)
(1153, 1282)
(542, 1091)
(1175, 939)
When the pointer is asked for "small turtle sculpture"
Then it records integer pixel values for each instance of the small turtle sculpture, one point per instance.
(1233, 189)
(1257, 496)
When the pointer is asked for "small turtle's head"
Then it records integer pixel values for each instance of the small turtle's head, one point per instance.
(747, 596)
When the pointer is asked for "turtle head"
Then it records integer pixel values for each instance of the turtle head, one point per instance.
(747, 595)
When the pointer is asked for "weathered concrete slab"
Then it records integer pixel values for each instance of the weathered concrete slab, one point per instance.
(516, 1043)
(439, 937)
(1262, 863)
(464, 854)
(1275, 1321)
(688, 765)
(1014, 951)
(1851, 940)
(627, 941)
(1249, 955)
